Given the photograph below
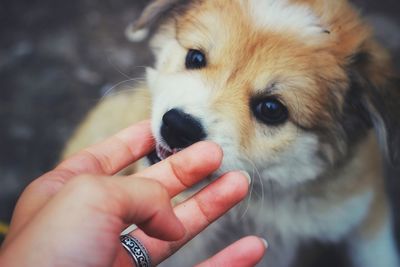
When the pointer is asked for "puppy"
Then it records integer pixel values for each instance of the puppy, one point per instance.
(296, 92)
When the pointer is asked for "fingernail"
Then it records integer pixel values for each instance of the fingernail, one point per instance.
(247, 176)
(265, 242)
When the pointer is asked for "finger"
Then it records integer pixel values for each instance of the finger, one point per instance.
(186, 168)
(196, 214)
(113, 154)
(107, 157)
(246, 252)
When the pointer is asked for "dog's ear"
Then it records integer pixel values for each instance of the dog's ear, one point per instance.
(138, 30)
(380, 98)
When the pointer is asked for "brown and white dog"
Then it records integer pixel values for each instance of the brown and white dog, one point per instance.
(298, 93)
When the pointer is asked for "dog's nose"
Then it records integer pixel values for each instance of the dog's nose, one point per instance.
(180, 129)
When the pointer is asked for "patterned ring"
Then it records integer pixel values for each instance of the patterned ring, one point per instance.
(136, 250)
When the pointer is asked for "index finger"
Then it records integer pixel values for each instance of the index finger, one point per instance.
(113, 154)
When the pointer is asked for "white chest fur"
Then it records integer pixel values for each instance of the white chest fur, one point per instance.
(326, 218)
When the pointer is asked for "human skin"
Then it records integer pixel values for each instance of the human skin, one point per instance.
(74, 214)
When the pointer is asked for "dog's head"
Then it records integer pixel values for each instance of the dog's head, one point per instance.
(288, 87)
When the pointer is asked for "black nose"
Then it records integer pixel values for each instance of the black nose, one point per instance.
(180, 129)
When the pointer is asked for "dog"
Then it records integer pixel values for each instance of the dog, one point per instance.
(298, 93)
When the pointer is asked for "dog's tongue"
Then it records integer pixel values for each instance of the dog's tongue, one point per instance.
(163, 152)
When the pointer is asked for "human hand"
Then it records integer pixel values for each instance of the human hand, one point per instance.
(74, 214)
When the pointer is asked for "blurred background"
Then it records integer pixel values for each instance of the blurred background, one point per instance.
(59, 58)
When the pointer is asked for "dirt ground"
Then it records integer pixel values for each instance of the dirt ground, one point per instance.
(59, 58)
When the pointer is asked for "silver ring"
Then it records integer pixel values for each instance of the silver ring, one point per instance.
(138, 252)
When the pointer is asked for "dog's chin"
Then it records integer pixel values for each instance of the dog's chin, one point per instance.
(160, 153)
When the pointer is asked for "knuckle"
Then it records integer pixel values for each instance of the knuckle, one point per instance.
(49, 183)
(97, 162)
(179, 170)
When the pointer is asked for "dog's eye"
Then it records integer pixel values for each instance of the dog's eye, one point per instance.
(195, 59)
(270, 111)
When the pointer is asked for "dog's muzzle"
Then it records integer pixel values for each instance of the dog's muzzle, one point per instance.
(180, 130)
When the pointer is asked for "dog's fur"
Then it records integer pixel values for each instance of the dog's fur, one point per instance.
(319, 176)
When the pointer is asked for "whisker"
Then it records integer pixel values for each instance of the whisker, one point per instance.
(115, 66)
(107, 93)
(139, 66)
(256, 176)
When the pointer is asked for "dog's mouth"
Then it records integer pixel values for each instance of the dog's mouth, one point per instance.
(160, 153)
